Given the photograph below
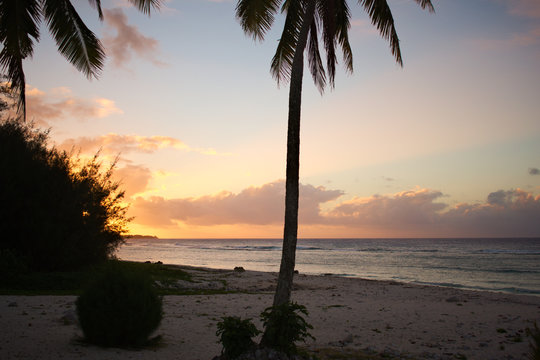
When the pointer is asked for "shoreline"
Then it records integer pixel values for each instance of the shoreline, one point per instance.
(348, 314)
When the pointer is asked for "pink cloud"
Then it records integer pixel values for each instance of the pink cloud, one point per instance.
(505, 214)
(61, 103)
(406, 209)
(262, 205)
(524, 8)
(418, 212)
(128, 40)
(523, 39)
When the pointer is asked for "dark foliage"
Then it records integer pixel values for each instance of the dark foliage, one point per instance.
(57, 212)
(534, 353)
(120, 308)
(284, 326)
(236, 335)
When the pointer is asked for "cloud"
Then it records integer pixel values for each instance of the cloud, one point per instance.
(128, 40)
(61, 103)
(529, 11)
(163, 8)
(134, 179)
(534, 171)
(401, 211)
(524, 8)
(531, 37)
(262, 205)
(511, 213)
(504, 213)
(418, 212)
(115, 144)
(363, 27)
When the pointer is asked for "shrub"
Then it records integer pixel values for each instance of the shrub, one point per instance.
(284, 326)
(534, 352)
(58, 212)
(119, 308)
(235, 335)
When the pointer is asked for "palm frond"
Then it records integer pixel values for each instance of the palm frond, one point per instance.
(343, 15)
(327, 14)
(96, 4)
(314, 59)
(145, 6)
(426, 4)
(19, 27)
(280, 67)
(74, 40)
(381, 16)
(257, 16)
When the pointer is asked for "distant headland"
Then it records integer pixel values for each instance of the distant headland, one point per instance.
(137, 237)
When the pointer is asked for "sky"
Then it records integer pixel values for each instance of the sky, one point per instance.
(447, 146)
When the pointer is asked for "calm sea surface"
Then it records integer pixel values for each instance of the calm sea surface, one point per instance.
(508, 265)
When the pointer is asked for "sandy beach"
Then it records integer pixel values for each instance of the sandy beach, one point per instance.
(421, 322)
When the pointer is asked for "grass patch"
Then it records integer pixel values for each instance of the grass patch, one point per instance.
(72, 283)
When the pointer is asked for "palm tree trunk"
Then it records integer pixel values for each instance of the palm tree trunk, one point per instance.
(288, 254)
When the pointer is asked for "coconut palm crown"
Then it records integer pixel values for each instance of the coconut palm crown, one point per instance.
(330, 19)
(19, 30)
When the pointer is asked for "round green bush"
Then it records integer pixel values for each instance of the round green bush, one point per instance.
(119, 308)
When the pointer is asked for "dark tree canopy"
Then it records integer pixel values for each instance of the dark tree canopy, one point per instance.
(57, 213)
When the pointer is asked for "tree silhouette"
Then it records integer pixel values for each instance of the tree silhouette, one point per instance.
(58, 212)
(305, 21)
(19, 28)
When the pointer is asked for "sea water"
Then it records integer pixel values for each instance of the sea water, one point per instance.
(507, 265)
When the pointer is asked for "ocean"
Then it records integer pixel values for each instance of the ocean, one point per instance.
(504, 265)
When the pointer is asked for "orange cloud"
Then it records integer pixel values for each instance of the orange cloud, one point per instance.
(134, 179)
(128, 40)
(115, 144)
(60, 103)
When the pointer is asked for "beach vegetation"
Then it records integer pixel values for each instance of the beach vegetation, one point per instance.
(534, 343)
(119, 308)
(284, 325)
(236, 335)
(25, 282)
(305, 23)
(58, 212)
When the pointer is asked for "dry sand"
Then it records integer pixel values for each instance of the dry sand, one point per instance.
(424, 322)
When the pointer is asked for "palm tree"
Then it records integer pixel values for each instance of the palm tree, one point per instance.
(305, 21)
(19, 28)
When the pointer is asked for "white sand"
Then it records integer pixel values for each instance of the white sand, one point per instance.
(347, 314)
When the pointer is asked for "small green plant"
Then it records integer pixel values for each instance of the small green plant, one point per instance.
(284, 326)
(119, 308)
(534, 352)
(235, 335)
